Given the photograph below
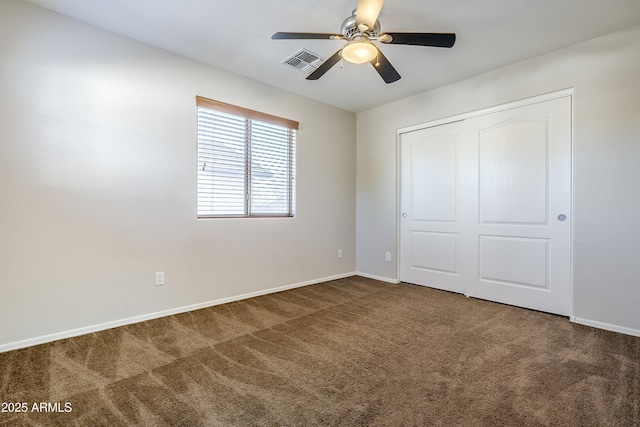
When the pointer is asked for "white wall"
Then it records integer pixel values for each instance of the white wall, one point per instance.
(97, 183)
(606, 251)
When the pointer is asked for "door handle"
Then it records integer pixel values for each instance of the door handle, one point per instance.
(404, 214)
(562, 217)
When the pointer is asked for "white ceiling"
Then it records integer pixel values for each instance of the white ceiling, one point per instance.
(235, 35)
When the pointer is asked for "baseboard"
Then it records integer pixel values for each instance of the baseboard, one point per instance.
(130, 320)
(382, 279)
(150, 316)
(606, 326)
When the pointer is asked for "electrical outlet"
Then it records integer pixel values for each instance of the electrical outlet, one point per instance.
(387, 256)
(339, 253)
(159, 278)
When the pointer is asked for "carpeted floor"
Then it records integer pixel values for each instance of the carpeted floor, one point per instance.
(351, 352)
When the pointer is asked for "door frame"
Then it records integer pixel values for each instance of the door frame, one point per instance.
(569, 92)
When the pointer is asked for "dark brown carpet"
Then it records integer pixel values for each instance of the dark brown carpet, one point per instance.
(351, 352)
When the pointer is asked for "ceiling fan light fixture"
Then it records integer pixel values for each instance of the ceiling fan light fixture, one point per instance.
(359, 51)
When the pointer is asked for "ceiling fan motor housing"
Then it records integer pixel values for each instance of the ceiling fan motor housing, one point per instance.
(350, 30)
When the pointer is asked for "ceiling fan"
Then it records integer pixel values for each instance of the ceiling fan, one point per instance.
(360, 30)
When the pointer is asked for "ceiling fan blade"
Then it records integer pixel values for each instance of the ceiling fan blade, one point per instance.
(302, 36)
(421, 39)
(367, 12)
(384, 68)
(325, 66)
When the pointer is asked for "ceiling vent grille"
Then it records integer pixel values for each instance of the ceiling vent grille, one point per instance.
(304, 60)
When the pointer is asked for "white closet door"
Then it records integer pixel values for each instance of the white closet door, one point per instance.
(518, 206)
(431, 204)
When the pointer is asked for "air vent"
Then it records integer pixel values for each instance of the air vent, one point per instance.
(304, 60)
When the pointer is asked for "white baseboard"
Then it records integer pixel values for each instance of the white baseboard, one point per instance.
(382, 279)
(136, 319)
(606, 326)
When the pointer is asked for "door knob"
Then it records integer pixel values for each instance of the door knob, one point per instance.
(404, 214)
(562, 217)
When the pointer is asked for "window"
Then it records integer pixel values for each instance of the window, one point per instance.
(246, 162)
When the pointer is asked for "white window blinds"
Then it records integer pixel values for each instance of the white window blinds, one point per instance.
(246, 162)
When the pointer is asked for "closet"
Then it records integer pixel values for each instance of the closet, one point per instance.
(485, 204)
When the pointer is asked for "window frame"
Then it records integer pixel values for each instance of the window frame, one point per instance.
(250, 116)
